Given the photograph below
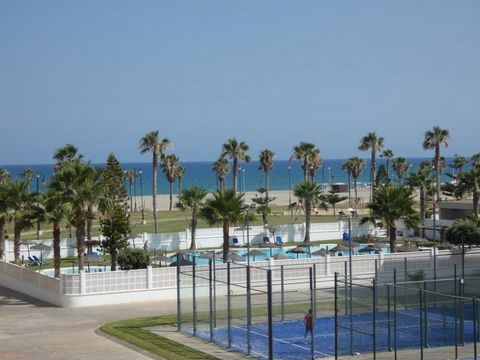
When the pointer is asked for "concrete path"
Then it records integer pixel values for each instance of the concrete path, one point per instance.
(30, 329)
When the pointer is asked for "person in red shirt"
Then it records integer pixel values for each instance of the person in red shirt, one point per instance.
(308, 320)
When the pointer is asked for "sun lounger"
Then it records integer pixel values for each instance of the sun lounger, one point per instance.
(44, 262)
(278, 240)
(32, 262)
(235, 242)
(266, 239)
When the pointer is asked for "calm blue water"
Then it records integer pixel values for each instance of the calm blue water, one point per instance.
(201, 174)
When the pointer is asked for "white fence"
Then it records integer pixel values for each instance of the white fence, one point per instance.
(213, 237)
(86, 289)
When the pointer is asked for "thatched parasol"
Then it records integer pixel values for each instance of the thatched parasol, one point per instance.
(255, 253)
(280, 256)
(321, 252)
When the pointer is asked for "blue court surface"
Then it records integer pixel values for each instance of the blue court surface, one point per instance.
(290, 343)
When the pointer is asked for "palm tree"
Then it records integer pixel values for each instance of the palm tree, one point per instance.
(27, 175)
(400, 166)
(470, 182)
(225, 208)
(373, 143)
(357, 166)
(222, 168)
(4, 175)
(475, 159)
(423, 180)
(236, 151)
(180, 174)
(266, 164)
(77, 183)
(4, 215)
(192, 199)
(152, 143)
(388, 154)
(130, 175)
(458, 163)
(347, 166)
(332, 198)
(306, 152)
(433, 140)
(56, 210)
(314, 161)
(170, 166)
(311, 195)
(390, 204)
(23, 208)
(65, 154)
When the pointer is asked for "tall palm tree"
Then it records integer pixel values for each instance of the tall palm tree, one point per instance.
(225, 208)
(347, 166)
(423, 180)
(130, 175)
(4, 216)
(235, 151)
(433, 140)
(24, 210)
(390, 204)
(222, 168)
(388, 154)
(180, 175)
(400, 166)
(458, 163)
(56, 210)
(266, 164)
(373, 143)
(332, 198)
(475, 159)
(311, 195)
(27, 175)
(192, 199)
(304, 151)
(65, 154)
(77, 183)
(170, 165)
(357, 166)
(152, 143)
(470, 182)
(314, 163)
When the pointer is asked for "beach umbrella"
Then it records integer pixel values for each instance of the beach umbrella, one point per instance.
(297, 250)
(42, 247)
(445, 245)
(339, 248)
(255, 253)
(280, 256)
(306, 244)
(407, 248)
(367, 249)
(161, 258)
(233, 256)
(321, 252)
(183, 262)
(27, 243)
(354, 244)
(208, 255)
(270, 246)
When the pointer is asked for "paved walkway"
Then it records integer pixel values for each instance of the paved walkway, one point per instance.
(30, 329)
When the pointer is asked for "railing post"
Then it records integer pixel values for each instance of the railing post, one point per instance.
(282, 291)
(82, 282)
(229, 307)
(179, 313)
(210, 299)
(149, 276)
(327, 265)
(336, 315)
(194, 298)
(270, 314)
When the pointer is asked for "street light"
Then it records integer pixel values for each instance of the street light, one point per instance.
(143, 222)
(329, 173)
(289, 185)
(243, 171)
(247, 225)
(239, 179)
(135, 187)
(37, 175)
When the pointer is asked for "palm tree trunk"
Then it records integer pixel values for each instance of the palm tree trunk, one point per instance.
(114, 256)
(355, 186)
(17, 234)
(437, 169)
(305, 170)
(180, 181)
(307, 220)
(476, 196)
(349, 188)
(393, 239)
(267, 183)
(171, 196)
(89, 222)
(2, 239)
(193, 246)
(226, 241)
(372, 176)
(235, 174)
(422, 210)
(155, 170)
(131, 198)
(56, 248)
(80, 233)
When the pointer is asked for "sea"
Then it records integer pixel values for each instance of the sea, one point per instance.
(284, 174)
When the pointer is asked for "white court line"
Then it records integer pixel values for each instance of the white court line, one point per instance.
(283, 341)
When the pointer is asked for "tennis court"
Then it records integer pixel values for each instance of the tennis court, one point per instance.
(289, 342)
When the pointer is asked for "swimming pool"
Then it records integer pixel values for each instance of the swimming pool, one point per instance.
(74, 270)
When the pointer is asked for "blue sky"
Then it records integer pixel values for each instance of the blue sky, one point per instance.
(100, 74)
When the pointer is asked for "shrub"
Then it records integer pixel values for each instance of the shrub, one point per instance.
(132, 259)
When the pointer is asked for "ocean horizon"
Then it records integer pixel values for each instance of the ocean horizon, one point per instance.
(200, 173)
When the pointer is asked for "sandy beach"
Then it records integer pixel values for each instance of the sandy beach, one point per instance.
(281, 198)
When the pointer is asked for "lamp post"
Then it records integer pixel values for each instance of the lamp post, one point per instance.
(247, 225)
(289, 185)
(329, 173)
(434, 246)
(135, 187)
(239, 184)
(243, 171)
(37, 176)
(323, 177)
(140, 172)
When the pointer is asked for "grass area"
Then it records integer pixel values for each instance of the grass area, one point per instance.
(133, 331)
(172, 221)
